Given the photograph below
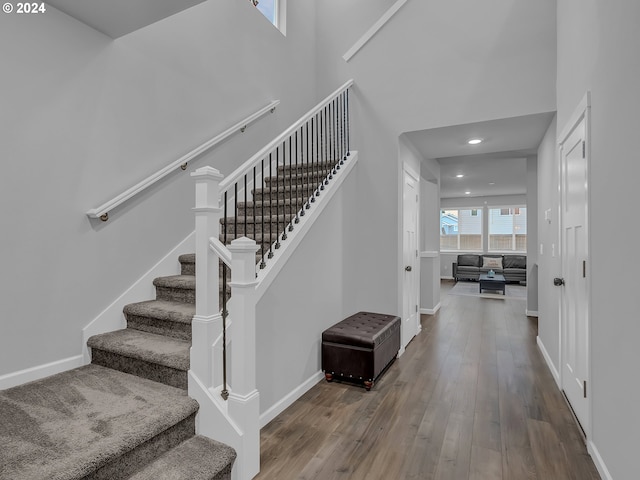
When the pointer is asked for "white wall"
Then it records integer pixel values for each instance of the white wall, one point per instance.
(305, 299)
(434, 64)
(532, 234)
(598, 43)
(85, 117)
(549, 265)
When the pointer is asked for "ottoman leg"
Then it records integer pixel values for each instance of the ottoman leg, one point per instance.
(328, 376)
(368, 384)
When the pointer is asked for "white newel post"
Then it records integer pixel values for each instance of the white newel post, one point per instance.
(207, 322)
(244, 400)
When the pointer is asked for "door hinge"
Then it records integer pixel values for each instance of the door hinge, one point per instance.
(584, 149)
(416, 308)
(584, 388)
(416, 253)
(584, 269)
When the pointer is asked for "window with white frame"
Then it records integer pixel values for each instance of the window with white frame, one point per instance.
(272, 10)
(461, 229)
(508, 229)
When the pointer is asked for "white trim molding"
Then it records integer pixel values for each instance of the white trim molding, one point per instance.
(531, 313)
(362, 41)
(112, 318)
(40, 371)
(431, 311)
(286, 401)
(598, 461)
(547, 358)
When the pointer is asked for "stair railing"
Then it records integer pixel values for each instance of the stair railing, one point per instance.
(102, 212)
(305, 157)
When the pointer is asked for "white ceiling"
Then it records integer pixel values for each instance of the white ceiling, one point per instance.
(116, 18)
(500, 159)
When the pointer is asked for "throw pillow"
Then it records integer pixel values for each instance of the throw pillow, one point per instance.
(492, 262)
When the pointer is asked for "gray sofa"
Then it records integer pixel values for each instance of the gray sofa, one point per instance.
(470, 266)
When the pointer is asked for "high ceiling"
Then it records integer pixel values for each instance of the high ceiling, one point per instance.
(116, 18)
(497, 166)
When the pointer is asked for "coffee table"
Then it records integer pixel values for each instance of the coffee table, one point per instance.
(497, 282)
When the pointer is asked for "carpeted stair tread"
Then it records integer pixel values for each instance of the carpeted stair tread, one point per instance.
(162, 310)
(69, 425)
(198, 458)
(176, 288)
(187, 282)
(148, 347)
(162, 317)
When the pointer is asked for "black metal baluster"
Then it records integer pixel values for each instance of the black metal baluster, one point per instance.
(306, 190)
(323, 149)
(348, 128)
(299, 179)
(332, 148)
(313, 158)
(290, 185)
(319, 135)
(224, 393)
(270, 255)
(235, 207)
(277, 198)
(336, 148)
(284, 191)
(342, 129)
(262, 262)
(245, 206)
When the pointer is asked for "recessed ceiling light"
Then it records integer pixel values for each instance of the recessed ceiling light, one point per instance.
(474, 141)
(492, 183)
(459, 175)
(467, 193)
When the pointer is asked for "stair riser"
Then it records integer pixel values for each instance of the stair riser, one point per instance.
(152, 371)
(272, 209)
(273, 195)
(167, 328)
(303, 168)
(124, 466)
(239, 230)
(176, 294)
(187, 269)
(297, 178)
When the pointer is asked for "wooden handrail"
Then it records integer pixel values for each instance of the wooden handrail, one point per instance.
(102, 212)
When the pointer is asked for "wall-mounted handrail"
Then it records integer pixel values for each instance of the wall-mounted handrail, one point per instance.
(249, 164)
(102, 212)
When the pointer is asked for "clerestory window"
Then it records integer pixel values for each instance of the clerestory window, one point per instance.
(273, 10)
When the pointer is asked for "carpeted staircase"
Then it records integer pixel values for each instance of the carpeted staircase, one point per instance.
(127, 414)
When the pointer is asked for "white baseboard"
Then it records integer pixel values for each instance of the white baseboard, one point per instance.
(445, 277)
(597, 460)
(531, 313)
(112, 318)
(36, 373)
(431, 311)
(547, 358)
(288, 399)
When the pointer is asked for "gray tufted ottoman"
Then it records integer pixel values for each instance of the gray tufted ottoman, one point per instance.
(360, 347)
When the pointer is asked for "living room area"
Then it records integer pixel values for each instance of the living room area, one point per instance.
(487, 217)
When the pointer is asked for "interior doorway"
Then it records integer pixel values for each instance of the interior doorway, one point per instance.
(575, 298)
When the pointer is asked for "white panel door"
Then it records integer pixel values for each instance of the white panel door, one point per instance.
(575, 256)
(410, 315)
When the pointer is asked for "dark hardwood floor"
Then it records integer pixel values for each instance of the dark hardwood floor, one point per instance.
(471, 398)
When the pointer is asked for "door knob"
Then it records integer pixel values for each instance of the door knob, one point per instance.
(558, 281)
(408, 268)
